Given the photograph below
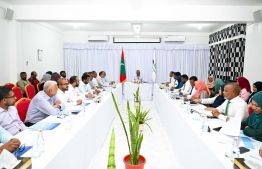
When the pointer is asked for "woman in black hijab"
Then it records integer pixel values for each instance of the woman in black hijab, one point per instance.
(257, 86)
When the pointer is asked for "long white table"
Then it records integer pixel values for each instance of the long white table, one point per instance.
(192, 147)
(75, 148)
(144, 88)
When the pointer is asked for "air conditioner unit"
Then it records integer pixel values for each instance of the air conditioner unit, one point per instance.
(174, 38)
(101, 38)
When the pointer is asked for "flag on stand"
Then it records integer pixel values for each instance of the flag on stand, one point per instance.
(154, 67)
(122, 69)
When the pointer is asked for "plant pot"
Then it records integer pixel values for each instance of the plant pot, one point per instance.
(141, 128)
(142, 159)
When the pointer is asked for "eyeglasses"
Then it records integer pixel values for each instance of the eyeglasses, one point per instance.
(19, 150)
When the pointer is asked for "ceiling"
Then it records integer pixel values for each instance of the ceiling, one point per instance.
(147, 26)
(176, 2)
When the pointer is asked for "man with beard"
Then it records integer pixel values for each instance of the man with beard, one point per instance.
(73, 89)
(64, 95)
(9, 118)
(23, 82)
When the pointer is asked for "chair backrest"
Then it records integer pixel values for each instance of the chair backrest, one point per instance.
(11, 85)
(30, 91)
(38, 87)
(17, 84)
(18, 93)
(22, 107)
(250, 110)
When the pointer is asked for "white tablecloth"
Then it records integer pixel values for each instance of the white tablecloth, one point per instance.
(75, 148)
(192, 147)
(144, 88)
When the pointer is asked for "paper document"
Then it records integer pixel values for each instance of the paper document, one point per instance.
(231, 127)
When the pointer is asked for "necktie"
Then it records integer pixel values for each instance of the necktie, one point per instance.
(191, 90)
(226, 112)
(170, 80)
(184, 87)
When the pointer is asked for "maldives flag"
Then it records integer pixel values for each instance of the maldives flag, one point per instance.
(122, 68)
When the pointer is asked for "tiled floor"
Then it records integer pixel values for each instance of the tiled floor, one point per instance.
(156, 146)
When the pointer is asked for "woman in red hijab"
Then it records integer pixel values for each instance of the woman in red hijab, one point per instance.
(201, 90)
(245, 88)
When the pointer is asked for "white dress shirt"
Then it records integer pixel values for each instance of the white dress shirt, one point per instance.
(75, 92)
(101, 81)
(84, 88)
(94, 82)
(66, 98)
(192, 92)
(186, 87)
(173, 83)
(236, 108)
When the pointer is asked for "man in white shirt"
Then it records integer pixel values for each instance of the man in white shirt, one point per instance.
(138, 77)
(187, 86)
(101, 79)
(192, 90)
(172, 82)
(73, 89)
(64, 95)
(233, 106)
(84, 86)
(94, 81)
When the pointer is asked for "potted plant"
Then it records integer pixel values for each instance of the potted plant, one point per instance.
(137, 99)
(134, 138)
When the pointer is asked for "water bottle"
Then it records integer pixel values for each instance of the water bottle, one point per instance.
(83, 112)
(40, 142)
(235, 149)
(181, 102)
(205, 124)
(68, 121)
(188, 107)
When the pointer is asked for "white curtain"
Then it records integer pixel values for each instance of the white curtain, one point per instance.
(192, 60)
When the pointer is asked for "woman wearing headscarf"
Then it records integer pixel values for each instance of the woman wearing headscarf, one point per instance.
(211, 83)
(201, 90)
(55, 77)
(252, 127)
(45, 78)
(218, 84)
(257, 86)
(245, 88)
(215, 101)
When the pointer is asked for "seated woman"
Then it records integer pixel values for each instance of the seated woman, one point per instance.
(201, 90)
(211, 83)
(252, 127)
(245, 88)
(215, 101)
(257, 86)
(218, 84)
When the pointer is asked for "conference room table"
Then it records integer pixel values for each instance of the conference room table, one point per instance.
(74, 148)
(192, 147)
(144, 88)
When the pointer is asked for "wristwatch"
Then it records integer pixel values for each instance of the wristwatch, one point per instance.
(59, 107)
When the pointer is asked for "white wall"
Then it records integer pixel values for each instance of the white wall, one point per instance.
(38, 36)
(253, 53)
(81, 36)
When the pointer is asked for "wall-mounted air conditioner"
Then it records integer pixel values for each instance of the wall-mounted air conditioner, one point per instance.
(101, 38)
(174, 38)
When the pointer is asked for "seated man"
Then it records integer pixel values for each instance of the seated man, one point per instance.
(33, 80)
(7, 141)
(192, 90)
(23, 82)
(64, 95)
(101, 79)
(74, 90)
(9, 118)
(138, 77)
(172, 80)
(234, 106)
(186, 85)
(252, 127)
(84, 86)
(45, 103)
